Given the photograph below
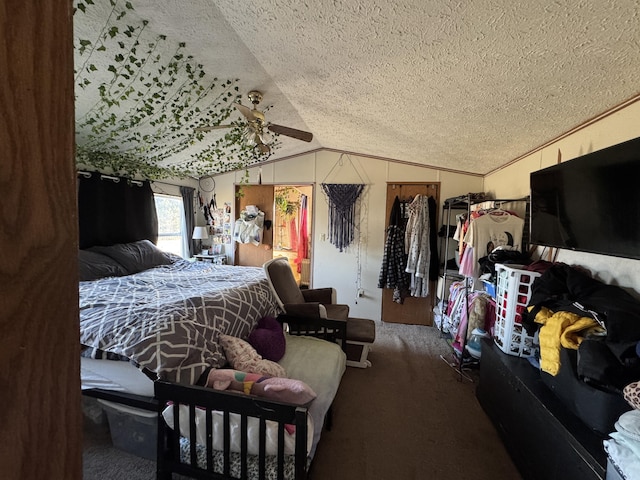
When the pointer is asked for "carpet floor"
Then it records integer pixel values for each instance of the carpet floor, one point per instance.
(409, 416)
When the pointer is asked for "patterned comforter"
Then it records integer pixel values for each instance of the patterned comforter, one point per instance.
(168, 319)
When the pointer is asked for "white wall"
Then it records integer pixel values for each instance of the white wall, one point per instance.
(513, 181)
(359, 266)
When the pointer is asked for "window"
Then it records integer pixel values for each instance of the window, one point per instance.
(171, 225)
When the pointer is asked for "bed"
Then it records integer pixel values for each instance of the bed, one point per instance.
(150, 331)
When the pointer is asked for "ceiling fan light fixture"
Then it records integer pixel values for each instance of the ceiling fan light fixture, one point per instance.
(262, 149)
(249, 135)
(266, 136)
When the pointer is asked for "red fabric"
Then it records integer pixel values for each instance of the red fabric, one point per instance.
(293, 234)
(303, 236)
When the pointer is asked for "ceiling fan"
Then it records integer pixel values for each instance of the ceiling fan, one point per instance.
(254, 133)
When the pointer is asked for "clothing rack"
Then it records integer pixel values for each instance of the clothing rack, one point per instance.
(466, 202)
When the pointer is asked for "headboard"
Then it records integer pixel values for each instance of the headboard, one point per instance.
(115, 210)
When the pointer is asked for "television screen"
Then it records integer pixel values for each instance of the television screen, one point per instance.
(590, 203)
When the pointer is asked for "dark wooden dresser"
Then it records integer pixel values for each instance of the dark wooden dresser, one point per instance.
(544, 439)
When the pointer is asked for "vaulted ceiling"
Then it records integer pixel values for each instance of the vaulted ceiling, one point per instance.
(461, 85)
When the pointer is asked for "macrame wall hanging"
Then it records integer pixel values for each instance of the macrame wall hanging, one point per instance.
(342, 199)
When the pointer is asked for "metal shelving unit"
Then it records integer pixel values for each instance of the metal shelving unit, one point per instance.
(466, 203)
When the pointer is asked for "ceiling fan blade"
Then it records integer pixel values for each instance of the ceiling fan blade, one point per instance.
(211, 127)
(291, 132)
(246, 111)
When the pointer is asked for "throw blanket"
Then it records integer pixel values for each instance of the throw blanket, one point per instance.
(168, 319)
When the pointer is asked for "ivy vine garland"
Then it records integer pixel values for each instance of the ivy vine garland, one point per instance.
(139, 98)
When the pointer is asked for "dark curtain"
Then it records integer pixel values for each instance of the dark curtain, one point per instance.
(111, 212)
(187, 200)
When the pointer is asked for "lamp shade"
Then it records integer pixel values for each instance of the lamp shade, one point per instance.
(200, 233)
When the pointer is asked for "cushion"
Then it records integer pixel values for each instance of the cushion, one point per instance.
(93, 266)
(242, 356)
(136, 256)
(268, 339)
(283, 281)
(286, 390)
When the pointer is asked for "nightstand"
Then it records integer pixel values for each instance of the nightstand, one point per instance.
(219, 259)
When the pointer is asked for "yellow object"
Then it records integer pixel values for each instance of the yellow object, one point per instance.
(558, 329)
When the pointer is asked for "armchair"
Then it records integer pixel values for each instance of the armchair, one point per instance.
(314, 312)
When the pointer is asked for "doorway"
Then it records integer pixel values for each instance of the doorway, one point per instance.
(287, 232)
(413, 310)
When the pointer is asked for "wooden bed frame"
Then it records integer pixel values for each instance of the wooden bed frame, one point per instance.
(168, 453)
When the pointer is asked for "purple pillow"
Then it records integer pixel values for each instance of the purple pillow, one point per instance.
(268, 339)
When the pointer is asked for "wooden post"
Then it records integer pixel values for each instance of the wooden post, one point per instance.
(41, 432)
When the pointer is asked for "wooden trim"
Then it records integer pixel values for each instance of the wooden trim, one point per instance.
(364, 155)
(41, 434)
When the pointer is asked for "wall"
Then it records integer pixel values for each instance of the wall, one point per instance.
(359, 266)
(513, 181)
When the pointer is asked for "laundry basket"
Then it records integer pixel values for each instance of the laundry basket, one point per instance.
(513, 292)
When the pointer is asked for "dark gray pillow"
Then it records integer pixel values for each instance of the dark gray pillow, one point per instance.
(136, 256)
(93, 266)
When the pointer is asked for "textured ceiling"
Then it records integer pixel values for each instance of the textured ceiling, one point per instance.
(461, 85)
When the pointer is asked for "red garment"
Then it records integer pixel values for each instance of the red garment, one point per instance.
(303, 236)
(293, 234)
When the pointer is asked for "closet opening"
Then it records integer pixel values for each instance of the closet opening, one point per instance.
(288, 218)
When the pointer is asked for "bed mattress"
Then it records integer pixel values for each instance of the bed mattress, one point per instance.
(114, 375)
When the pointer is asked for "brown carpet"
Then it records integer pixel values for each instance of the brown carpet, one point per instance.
(407, 417)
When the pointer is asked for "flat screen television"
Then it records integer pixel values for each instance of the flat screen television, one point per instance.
(591, 203)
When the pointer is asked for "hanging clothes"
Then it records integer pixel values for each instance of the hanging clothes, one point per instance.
(293, 234)
(302, 242)
(434, 263)
(394, 260)
(491, 230)
(249, 227)
(418, 246)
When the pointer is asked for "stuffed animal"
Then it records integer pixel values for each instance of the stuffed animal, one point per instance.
(285, 390)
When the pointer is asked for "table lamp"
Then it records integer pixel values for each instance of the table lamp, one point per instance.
(200, 233)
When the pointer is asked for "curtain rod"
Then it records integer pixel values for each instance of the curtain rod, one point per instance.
(109, 177)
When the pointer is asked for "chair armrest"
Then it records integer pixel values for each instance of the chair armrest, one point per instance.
(326, 328)
(305, 310)
(320, 295)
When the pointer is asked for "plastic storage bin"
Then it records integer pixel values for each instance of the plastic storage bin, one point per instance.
(132, 429)
(513, 292)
